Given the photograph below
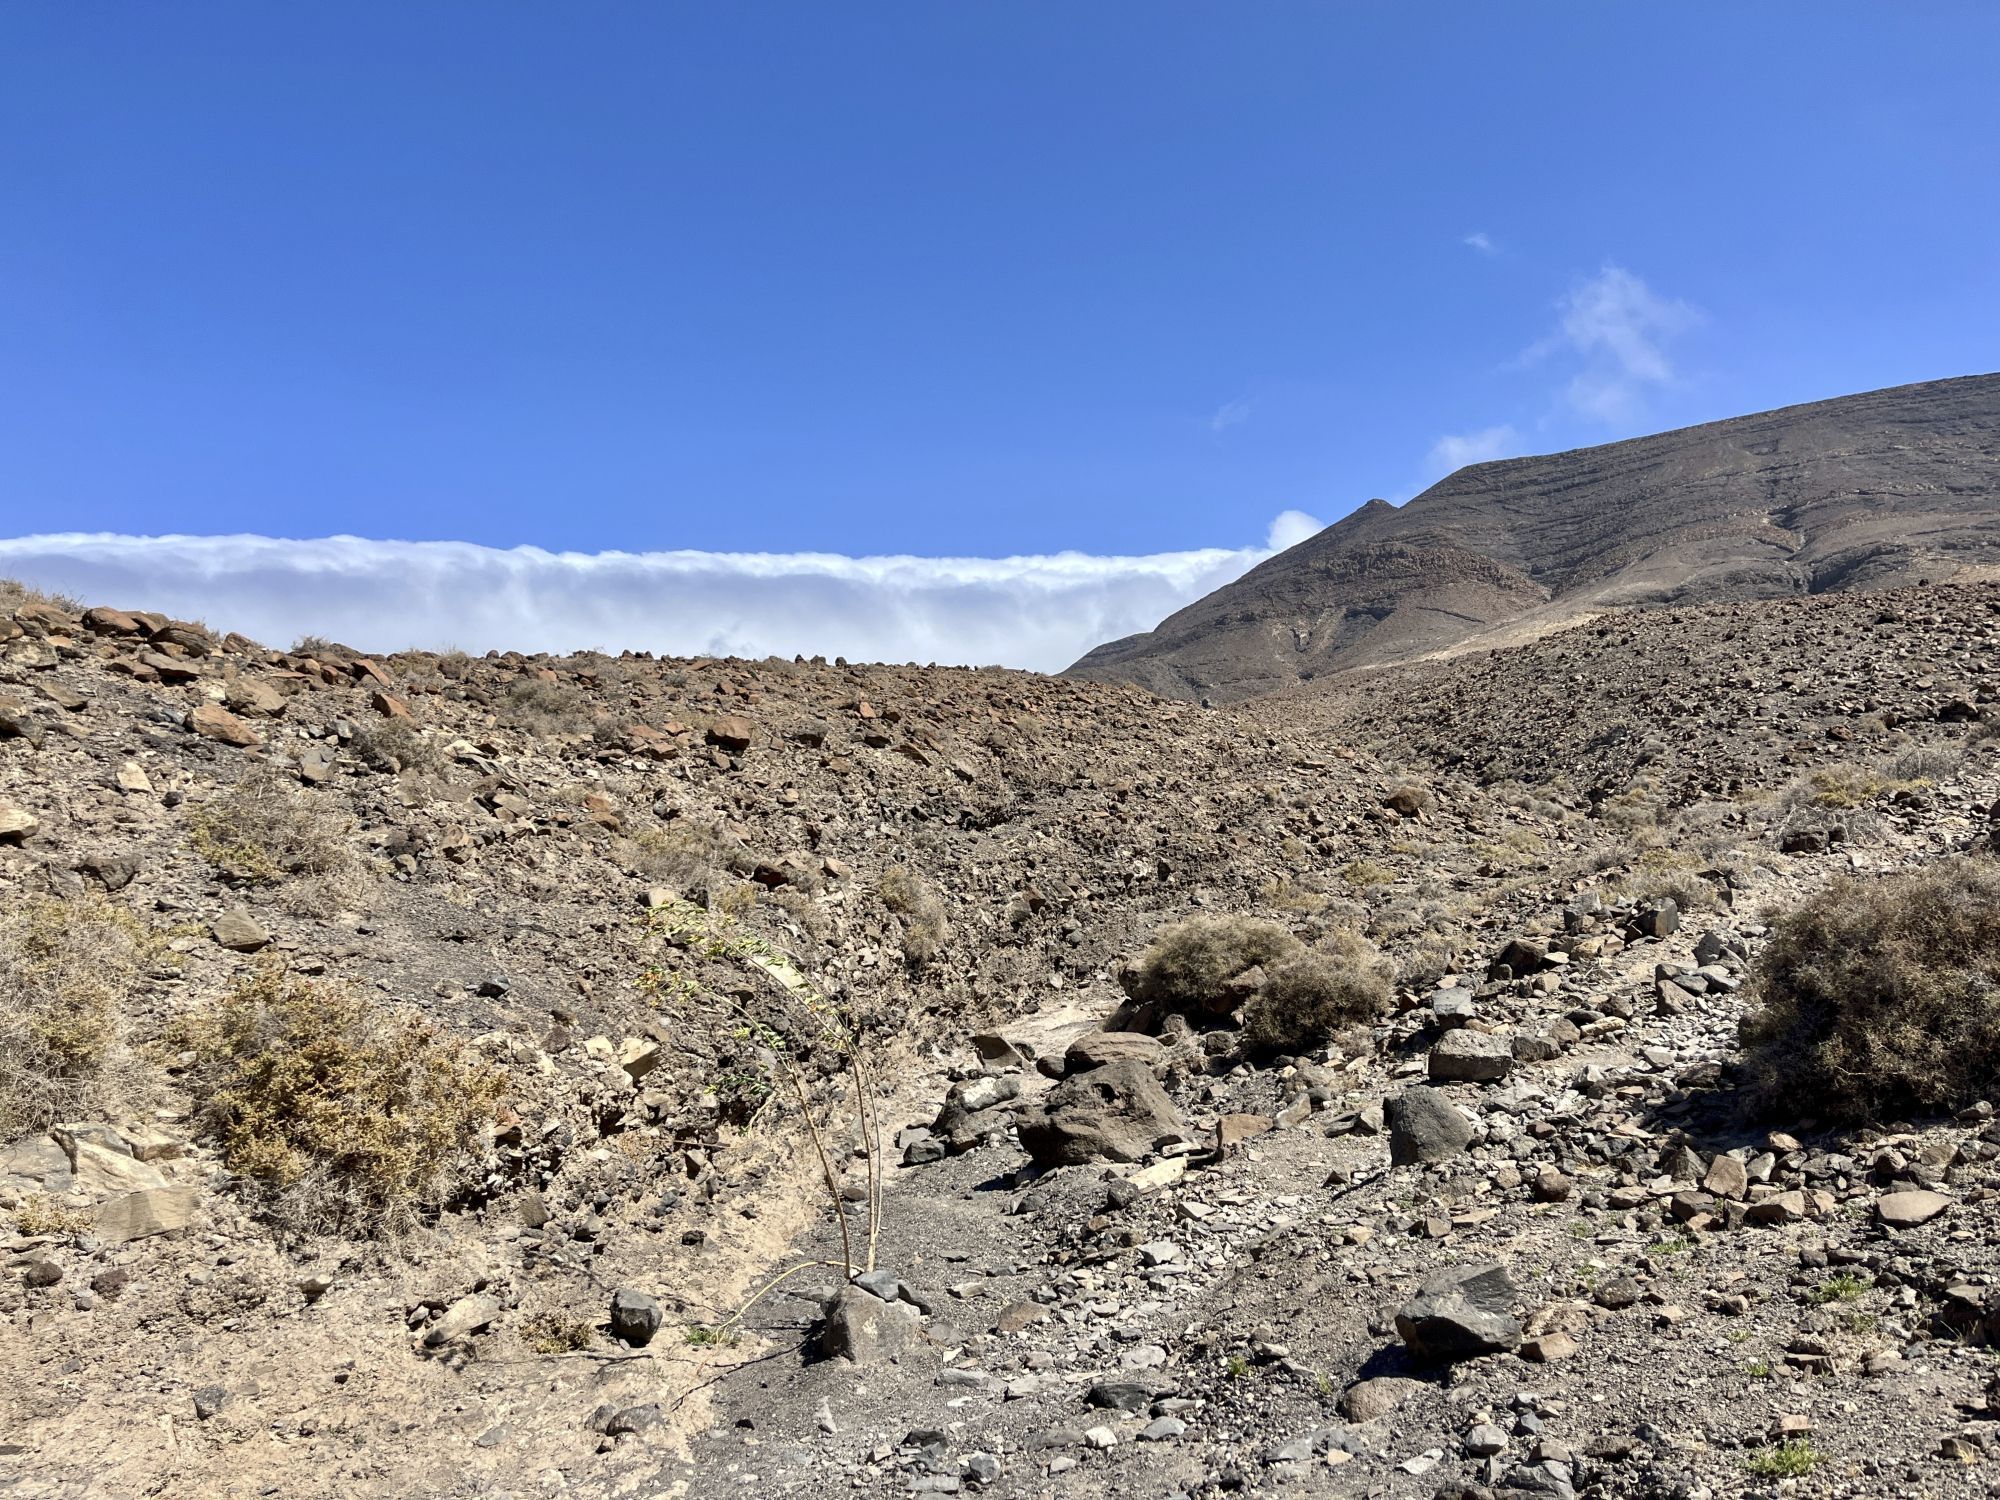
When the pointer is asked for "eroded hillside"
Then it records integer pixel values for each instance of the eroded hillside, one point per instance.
(535, 901)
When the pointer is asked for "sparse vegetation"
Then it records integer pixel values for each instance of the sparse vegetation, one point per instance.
(1842, 1286)
(396, 744)
(552, 1332)
(346, 1116)
(67, 972)
(1312, 993)
(14, 594)
(1789, 1460)
(925, 926)
(265, 832)
(544, 707)
(1880, 996)
(41, 1215)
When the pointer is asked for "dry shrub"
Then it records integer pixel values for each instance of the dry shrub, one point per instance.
(544, 707)
(14, 594)
(1684, 887)
(1188, 965)
(1312, 993)
(687, 855)
(395, 744)
(922, 911)
(1880, 996)
(553, 1332)
(347, 1117)
(67, 969)
(264, 831)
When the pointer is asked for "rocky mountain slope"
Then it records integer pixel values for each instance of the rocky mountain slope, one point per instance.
(1147, 1260)
(1862, 492)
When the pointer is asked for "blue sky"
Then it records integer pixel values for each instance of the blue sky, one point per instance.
(967, 280)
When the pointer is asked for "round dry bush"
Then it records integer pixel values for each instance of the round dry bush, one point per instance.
(1188, 965)
(68, 972)
(1311, 994)
(1880, 996)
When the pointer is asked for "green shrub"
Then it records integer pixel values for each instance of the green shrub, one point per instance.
(67, 969)
(1880, 996)
(1312, 993)
(348, 1118)
(1188, 965)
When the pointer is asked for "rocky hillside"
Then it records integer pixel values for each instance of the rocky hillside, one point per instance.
(1863, 492)
(408, 1064)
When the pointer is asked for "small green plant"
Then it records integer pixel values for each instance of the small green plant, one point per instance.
(1758, 1369)
(701, 1336)
(1237, 1367)
(1842, 1286)
(1860, 1323)
(1789, 1460)
(815, 1031)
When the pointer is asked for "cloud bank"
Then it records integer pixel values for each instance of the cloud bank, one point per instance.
(1040, 613)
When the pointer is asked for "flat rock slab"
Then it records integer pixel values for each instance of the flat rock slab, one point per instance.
(1908, 1209)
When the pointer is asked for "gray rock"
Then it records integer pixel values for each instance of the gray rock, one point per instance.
(1471, 1057)
(1366, 1400)
(635, 1317)
(861, 1327)
(882, 1283)
(1117, 1112)
(1461, 1312)
(974, 1112)
(1425, 1126)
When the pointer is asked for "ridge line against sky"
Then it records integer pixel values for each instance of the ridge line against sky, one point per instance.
(1040, 612)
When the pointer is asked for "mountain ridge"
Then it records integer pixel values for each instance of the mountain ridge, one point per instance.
(1870, 490)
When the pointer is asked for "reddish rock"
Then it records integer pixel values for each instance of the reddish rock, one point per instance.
(215, 722)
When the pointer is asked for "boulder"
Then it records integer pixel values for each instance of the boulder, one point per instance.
(731, 732)
(635, 1317)
(240, 932)
(1471, 1057)
(1366, 1400)
(1117, 1112)
(861, 1327)
(973, 1112)
(1425, 1126)
(1096, 1048)
(215, 722)
(1461, 1312)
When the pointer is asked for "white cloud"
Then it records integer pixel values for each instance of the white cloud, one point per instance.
(1289, 528)
(1231, 414)
(1619, 329)
(1482, 242)
(1455, 451)
(1035, 612)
